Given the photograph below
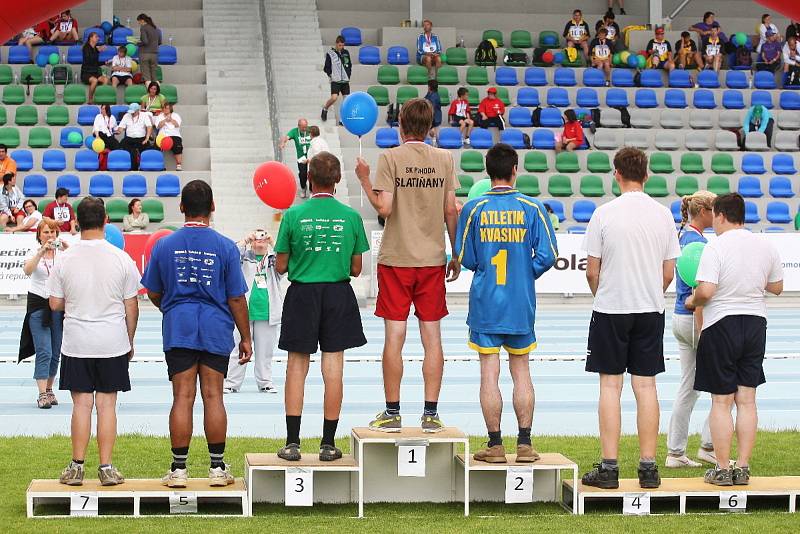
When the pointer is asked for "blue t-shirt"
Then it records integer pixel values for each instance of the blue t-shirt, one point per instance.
(196, 270)
(682, 291)
(436, 102)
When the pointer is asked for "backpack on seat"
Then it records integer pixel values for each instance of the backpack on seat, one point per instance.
(514, 57)
(485, 54)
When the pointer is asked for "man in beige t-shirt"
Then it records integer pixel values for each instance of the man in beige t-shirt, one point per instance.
(414, 191)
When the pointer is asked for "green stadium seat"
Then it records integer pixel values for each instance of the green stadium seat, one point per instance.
(456, 56)
(134, 94)
(692, 164)
(719, 185)
(446, 75)
(548, 37)
(598, 162)
(686, 185)
(473, 97)
(170, 92)
(26, 116)
(574, 64)
(13, 95)
(3, 116)
(388, 75)
(159, 73)
(57, 115)
(153, 208)
(44, 95)
(497, 35)
(33, 71)
(528, 184)
(406, 93)
(559, 186)
(74, 94)
(444, 96)
(105, 94)
(513, 63)
(75, 204)
(471, 160)
(521, 39)
(722, 163)
(116, 209)
(477, 76)
(380, 94)
(615, 188)
(656, 186)
(45, 201)
(502, 94)
(466, 182)
(536, 161)
(6, 75)
(417, 75)
(661, 163)
(40, 137)
(9, 136)
(592, 186)
(567, 162)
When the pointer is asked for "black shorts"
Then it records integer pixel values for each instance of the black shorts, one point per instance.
(177, 144)
(497, 122)
(324, 315)
(179, 360)
(86, 77)
(342, 88)
(457, 120)
(730, 353)
(122, 79)
(94, 375)
(632, 342)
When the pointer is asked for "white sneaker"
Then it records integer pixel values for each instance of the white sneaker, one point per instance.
(676, 462)
(229, 390)
(176, 479)
(268, 389)
(218, 476)
(178, 168)
(706, 456)
(466, 141)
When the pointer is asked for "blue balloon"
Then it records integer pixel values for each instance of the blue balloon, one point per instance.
(633, 61)
(41, 60)
(558, 58)
(359, 113)
(114, 236)
(106, 26)
(88, 141)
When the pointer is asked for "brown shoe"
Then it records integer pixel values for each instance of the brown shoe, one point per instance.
(495, 454)
(526, 454)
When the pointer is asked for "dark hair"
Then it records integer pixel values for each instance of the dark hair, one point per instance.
(731, 206)
(609, 15)
(631, 163)
(7, 178)
(433, 85)
(131, 204)
(548, 208)
(462, 91)
(106, 108)
(339, 39)
(764, 16)
(147, 19)
(197, 199)
(577, 11)
(89, 40)
(158, 87)
(28, 200)
(707, 14)
(602, 30)
(314, 131)
(416, 118)
(122, 49)
(324, 169)
(570, 115)
(500, 161)
(62, 191)
(3, 147)
(91, 213)
(684, 35)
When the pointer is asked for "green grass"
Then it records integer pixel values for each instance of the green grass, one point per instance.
(137, 456)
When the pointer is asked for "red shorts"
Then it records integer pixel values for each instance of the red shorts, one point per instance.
(398, 287)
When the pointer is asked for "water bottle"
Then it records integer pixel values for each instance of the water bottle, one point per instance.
(128, 23)
(63, 58)
(461, 41)
(16, 79)
(170, 40)
(398, 57)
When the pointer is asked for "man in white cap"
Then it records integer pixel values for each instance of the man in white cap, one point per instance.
(137, 127)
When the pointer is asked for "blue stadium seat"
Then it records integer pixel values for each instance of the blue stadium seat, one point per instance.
(646, 98)
(94, 29)
(773, 230)
(708, 79)
(557, 207)
(119, 37)
(543, 139)
(86, 115)
(397, 55)
(704, 98)
(528, 96)
(593, 77)
(506, 76)
(119, 111)
(675, 208)
(557, 96)
(481, 138)
(750, 187)
(151, 160)
(352, 36)
(86, 160)
(134, 185)
(513, 137)
(780, 187)
(108, 53)
(168, 185)
(622, 78)
(651, 78)
(551, 118)
(520, 117)
(617, 97)
(387, 137)
(564, 77)
(680, 79)
(71, 183)
(46, 50)
(778, 212)
(781, 164)
(35, 185)
(369, 55)
(675, 98)
(751, 212)
(101, 185)
(736, 79)
(64, 137)
(764, 80)
(119, 160)
(74, 55)
(19, 55)
(790, 100)
(450, 138)
(762, 98)
(167, 55)
(54, 160)
(753, 164)
(733, 98)
(578, 229)
(24, 160)
(535, 76)
(587, 97)
(582, 210)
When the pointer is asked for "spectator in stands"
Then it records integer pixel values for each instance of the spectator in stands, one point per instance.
(770, 57)
(11, 199)
(90, 69)
(138, 127)
(660, 52)
(433, 97)
(552, 216)
(572, 135)
(7, 163)
(491, 110)
(713, 52)
(32, 218)
(169, 125)
(121, 68)
(153, 102)
(60, 211)
(318, 143)
(614, 34)
(429, 49)
(621, 7)
(302, 140)
(338, 67)
(793, 30)
(42, 328)
(460, 114)
(136, 220)
(757, 119)
(576, 31)
(30, 38)
(766, 26)
(686, 54)
(149, 40)
(791, 61)
(105, 124)
(65, 29)
(601, 52)
(703, 28)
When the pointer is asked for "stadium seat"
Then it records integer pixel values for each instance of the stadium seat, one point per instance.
(733, 98)
(559, 186)
(567, 162)
(708, 79)
(388, 75)
(586, 97)
(417, 75)
(75, 54)
(557, 96)
(680, 79)
(551, 118)
(783, 164)
(119, 160)
(71, 183)
(6, 75)
(64, 137)
(75, 94)
(519, 117)
(719, 185)
(753, 164)
(13, 95)
(564, 77)
(472, 161)
(675, 98)
(19, 55)
(656, 186)
(44, 95)
(502, 94)
(751, 213)
(686, 185)
(444, 96)
(646, 98)
(664, 140)
(26, 116)
(24, 160)
(527, 96)
(406, 93)
(397, 55)
(387, 137)
(30, 74)
(700, 119)
(592, 186)
(116, 209)
(750, 187)
(535, 77)
(39, 137)
(86, 160)
(528, 184)
(722, 164)
(380, 94)
(466, 182)
(593, 77)
(762, 98)
(692, 164)
(735, 79)
(9, 136)
(455, 55)
(134, 94)
(622, 78)
(513, 137)
(557, 207)
(168, 185)
(101, 185)
(536, 161)
(671, 119)
(506, 76)
(651, 78)
(119, 36)
(780, 187)
(730, 119)
(789, 121)
(450, 138)
(606, 139)
(54, 160)
(778, 212)
(94, 29)
(3, 115)
(34, 185)
(598, 162)
(472, 96)
(170, 92)
(790, 100)
(582, 210)
(134, 185)
(661, 163)
(764, 80)
(675, 208)
(445, 76)
(477, 76)
(481, 138)
(370, 55)
(543, 139)
(697, 141)
(786, 142)
(167, 55)
(57, 115)
(703, 98)
(352, 36)
(521, 39)
(549, 39)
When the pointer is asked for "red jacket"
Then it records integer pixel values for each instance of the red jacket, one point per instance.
(492, 108)
(459, 107)
(573, 130)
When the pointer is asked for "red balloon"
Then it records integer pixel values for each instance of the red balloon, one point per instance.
(151, 241)
(547, 57)
(789, 8)
(166, 144)
(644, 53)
(275, 185)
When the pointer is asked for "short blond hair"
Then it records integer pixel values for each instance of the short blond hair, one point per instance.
(46, 222)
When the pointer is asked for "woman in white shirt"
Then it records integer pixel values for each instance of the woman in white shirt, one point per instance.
(42, 328)
(136, 220)
(32, 218)
(104, 127)
(766, 25)
(121, 68)
(169, 125)
(10, 202)
(318, 144)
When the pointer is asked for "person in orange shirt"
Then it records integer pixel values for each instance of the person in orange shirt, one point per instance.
(572, 136)
(7, 165)
(491, 110)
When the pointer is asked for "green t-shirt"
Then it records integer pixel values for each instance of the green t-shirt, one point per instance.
(301, 141)
(320, 236)
(554, 221)
(258, 305)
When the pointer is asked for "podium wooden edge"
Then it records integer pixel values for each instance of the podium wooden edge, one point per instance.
(348, 462)
(539, 465)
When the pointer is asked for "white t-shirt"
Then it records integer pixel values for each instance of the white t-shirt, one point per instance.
(94, 277)
(136, 127)
(40, 275)
(762, 33)
(104, 125)
(632, 235)
(167, 128)
(318, 144)
(741, 264)
(36, 217)
(124, 62)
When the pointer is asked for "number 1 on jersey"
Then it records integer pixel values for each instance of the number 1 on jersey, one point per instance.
(500, 262)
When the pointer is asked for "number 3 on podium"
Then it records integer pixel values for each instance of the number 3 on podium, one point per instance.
(299, 487)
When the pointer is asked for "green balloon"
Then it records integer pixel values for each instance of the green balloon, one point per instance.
(740, 39)
(53, 59)
(479, 188)
(689, 261)
(642, 61)
(75, 138)
(131, 49)
(615, 59)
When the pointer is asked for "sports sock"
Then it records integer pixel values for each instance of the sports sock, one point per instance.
(293, 429)
(430, 408)
(79, 462)
(217, 451)
(179, 456)
(524, 436)
(647, 463)
(608, 463)
(329, 431)
(495, 439)
(393, 408)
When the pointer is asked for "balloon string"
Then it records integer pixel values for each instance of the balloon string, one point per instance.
(360, 190)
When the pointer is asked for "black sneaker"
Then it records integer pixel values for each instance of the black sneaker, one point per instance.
(741, 476)
(719, 477)
(599, 477)
(622, 11)
(290, 452)
(329, 453)
(324, 115)
(649, 477)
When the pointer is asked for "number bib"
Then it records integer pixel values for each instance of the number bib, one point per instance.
(712, 49)
(428, 48)
(602, 51)
(660, 49)
(576, 32)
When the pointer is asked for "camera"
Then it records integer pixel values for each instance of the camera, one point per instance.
(260, 235)
(56, 244)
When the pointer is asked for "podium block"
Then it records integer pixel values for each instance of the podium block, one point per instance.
(487, 481)
(377, 455)
(334, 482)
(135, 492)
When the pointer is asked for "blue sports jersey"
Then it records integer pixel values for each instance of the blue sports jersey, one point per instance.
(682, 291)
(507, 239)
